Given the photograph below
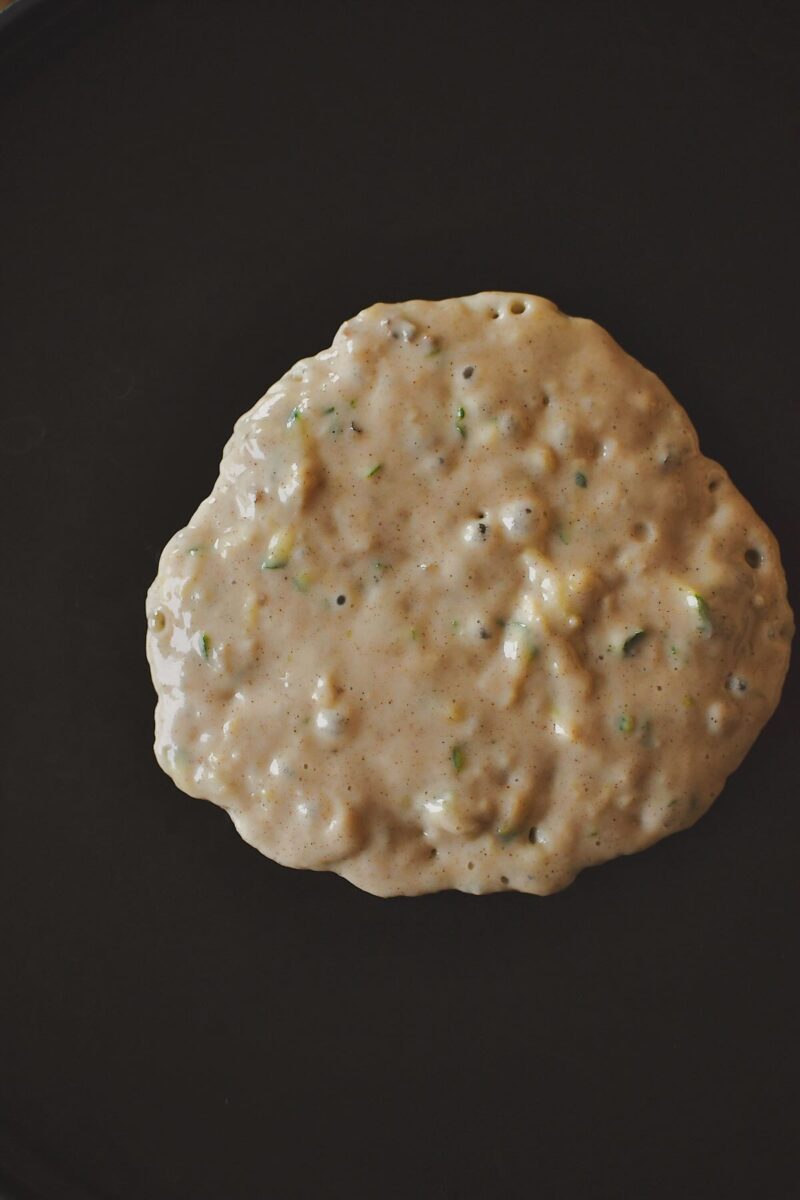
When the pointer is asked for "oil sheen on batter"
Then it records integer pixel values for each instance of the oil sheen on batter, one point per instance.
(466, 608)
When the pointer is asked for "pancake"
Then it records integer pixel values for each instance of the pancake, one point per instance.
(466, 608)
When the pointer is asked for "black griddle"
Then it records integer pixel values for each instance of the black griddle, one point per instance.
(193, 196)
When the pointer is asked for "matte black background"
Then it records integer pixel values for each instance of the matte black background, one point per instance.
(193, 196)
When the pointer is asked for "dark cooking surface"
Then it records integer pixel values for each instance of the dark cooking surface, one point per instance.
(192, 197)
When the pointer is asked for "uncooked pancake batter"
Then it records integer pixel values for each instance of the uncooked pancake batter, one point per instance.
(466, 608)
